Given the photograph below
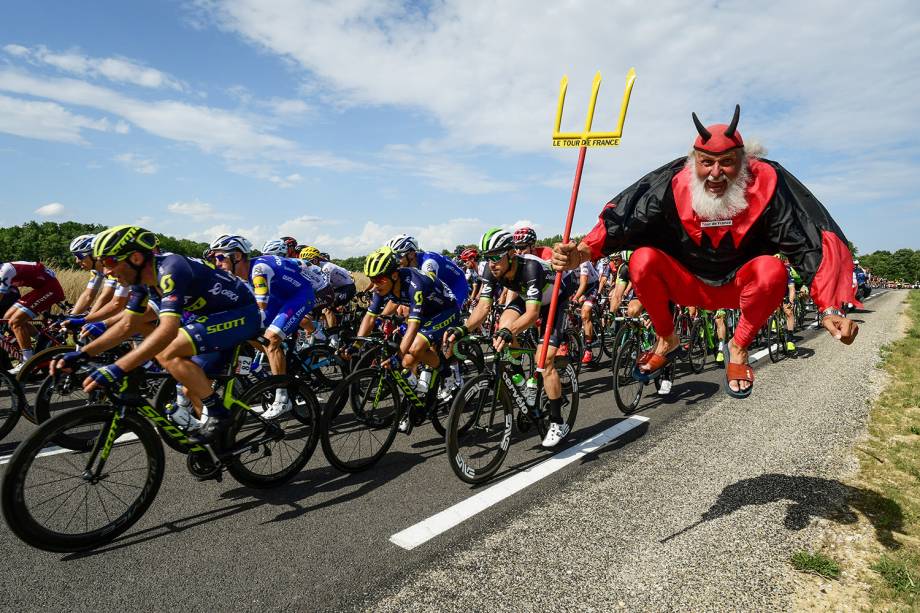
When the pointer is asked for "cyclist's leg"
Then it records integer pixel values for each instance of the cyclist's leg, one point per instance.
(552, 385)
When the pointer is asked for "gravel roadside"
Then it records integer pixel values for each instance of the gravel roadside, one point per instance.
(703, 518)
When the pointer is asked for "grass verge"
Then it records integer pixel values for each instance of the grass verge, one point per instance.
(816, 563)
(890, 471)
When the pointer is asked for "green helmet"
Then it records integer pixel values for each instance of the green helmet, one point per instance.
(381, 262)
(496, 241)
(123, 240)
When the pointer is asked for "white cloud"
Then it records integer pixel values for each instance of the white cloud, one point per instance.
(288, 181)
(213, 130)
(431, 237)
(45, 120)
(16, 50)
(456, 61)
(117, 69)
(137, 163)
(442, 170)
(194, 209)
(52, 209)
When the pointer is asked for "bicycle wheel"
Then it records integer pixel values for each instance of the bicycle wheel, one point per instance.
(62, 501)
(472, 364)
(325, 369)
(356, 434)
(479, 429)
(627, 391)
(774, 349)
(568, 377)
(11, 402)
(63, 393)
(698, 352)
(276, 451)
(36, 368)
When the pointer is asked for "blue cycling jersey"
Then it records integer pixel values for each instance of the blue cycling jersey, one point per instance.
(425, 297)
(436, 265)
(191, 285)
(278, 278)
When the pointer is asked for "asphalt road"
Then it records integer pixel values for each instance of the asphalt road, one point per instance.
(322, 541)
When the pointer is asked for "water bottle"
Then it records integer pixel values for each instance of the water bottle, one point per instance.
(530, 391)
(518, 380)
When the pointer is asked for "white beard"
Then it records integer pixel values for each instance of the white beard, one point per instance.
(726, 206)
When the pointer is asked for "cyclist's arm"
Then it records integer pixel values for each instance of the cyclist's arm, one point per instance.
(103, 297)
(367, 324)
(107, 310)
(479, 313)
(85, 300)
(122, 328)
(156, 342)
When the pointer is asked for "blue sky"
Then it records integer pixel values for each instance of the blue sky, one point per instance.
(342, 123)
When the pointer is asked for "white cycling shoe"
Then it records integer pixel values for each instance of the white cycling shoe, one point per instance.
(555, 434)
(15, 370)
(183, 418)
(277, 409)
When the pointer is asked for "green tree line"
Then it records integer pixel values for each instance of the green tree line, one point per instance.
(49, 242)
(902, 265)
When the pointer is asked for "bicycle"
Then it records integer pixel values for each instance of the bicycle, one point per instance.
(356, 434)
(777, 336)
(124, 443)
(634, 337)
(481, 418)
(12, 400)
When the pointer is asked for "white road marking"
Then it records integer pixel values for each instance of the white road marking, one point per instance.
(54, 449)
(422, 532)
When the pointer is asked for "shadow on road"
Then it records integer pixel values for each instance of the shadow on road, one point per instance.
(809, 497)
(290, 497)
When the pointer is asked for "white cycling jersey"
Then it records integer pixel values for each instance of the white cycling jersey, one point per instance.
(338, 276)
(314, 274)
(588, 269)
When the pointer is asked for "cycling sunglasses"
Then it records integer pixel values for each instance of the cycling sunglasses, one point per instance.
(492, 257)
(110, 261)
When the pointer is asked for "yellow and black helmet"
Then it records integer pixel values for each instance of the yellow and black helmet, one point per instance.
(309, 253)
(120, 241)
(381, 262)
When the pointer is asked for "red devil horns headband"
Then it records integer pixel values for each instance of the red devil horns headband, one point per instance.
(718, 138)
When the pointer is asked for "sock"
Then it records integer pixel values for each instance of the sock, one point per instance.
(214, 406)
(26, 354)
(182, 400)
(555, 410)
(281, 395)
(319, 335)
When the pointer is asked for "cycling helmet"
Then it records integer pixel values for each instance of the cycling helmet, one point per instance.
(524, 237)
(469, 254)
(325, 256)
(496, 241)
(82, 246)
(626, 254)
(123, 240)
(275, 246)
(309, 253)
(381, 262)
(231, 242)
(401, 244)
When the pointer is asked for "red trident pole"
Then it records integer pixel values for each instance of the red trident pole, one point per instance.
(582, 141)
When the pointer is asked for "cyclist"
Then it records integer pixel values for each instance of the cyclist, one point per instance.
(46, 291)
(789, 301)
(525, 243)
(470, 260)
(432, 310)
(224, 307)
(102, 298)
(432, 264)
(343, 285)
(284, 296)
(532, 280)
(291, 247)
(322, 289)
(588, 282)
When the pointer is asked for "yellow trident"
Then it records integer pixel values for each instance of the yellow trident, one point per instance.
(583, 141)
(589, 138)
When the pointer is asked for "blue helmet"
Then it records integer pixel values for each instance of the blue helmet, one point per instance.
(82, 246)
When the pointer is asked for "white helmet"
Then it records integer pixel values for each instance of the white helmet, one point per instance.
(231, 242)
(275, 247)
(82, 246)
(402, 244)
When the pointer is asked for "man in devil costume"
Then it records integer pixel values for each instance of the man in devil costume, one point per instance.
(704, 229)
